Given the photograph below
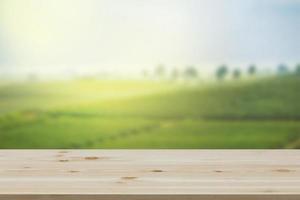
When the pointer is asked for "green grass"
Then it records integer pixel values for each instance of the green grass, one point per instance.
(151, 114)
(212, 134)
(269, 98)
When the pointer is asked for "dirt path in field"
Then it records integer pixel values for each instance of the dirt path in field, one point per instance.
(294, 144)
(124, 134)
(121, 135)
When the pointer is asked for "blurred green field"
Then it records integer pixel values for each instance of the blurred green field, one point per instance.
(256, 113)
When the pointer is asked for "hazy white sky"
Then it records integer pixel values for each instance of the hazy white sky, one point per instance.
(56, 34)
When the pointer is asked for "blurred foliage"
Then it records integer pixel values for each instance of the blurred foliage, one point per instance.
(255, 113)
(221, 72)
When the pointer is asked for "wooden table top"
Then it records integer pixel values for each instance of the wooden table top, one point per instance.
(161, 173)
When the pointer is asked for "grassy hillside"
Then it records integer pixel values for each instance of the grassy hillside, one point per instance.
(273, 98)
(144, 114)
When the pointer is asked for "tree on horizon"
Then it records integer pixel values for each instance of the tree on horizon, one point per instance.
(236, 74)
(191, 72)
(221, 72)
(252, 70)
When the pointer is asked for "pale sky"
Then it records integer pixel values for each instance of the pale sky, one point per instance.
(50, 35)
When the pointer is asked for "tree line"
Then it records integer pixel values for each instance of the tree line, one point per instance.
(221, 73)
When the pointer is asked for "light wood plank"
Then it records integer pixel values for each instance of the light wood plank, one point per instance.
(142, 174)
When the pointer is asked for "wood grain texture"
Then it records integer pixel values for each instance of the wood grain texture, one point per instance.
(150, 174)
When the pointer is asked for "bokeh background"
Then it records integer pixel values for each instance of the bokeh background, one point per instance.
(149, 74)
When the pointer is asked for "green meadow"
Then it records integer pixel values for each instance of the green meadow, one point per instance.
(252, 113)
